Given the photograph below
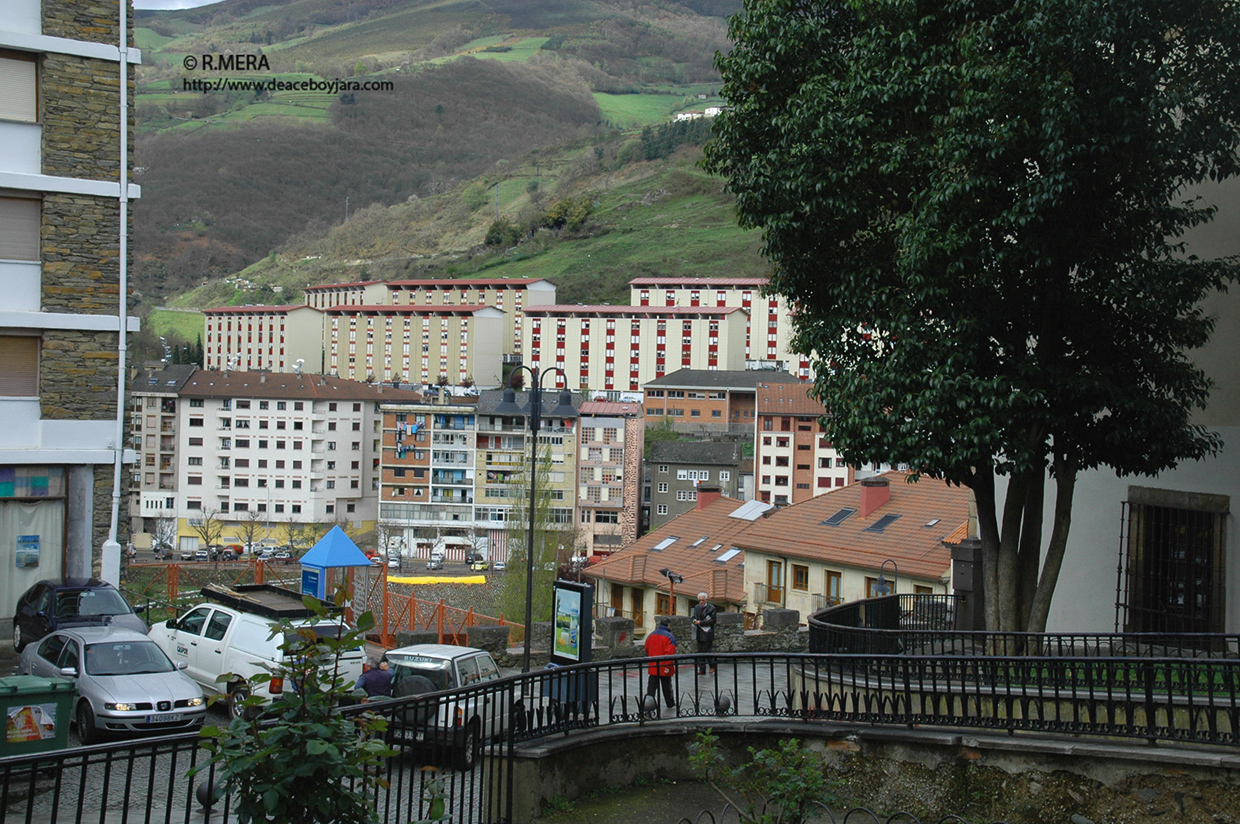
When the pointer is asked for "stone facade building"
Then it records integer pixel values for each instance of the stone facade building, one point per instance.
(609, 498)
(678, 469)
(61, 117)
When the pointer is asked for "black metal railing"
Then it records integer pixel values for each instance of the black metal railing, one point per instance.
(924, 625)
(470, 736)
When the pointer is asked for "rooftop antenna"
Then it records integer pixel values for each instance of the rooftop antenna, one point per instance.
(297, 366)
(232, 364)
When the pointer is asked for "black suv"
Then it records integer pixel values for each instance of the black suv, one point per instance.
(70, 602)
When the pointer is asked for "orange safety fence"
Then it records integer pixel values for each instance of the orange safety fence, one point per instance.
(394, 612)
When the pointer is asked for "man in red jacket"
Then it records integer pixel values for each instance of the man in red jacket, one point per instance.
(658, 643)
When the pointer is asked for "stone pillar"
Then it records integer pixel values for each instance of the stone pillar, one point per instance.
(79, 527)
(614, 633)
(493, 639)
(779, 619)
(729, 631)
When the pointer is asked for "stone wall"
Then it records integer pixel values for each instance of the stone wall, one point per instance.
(95, 21)
(781, 632)
(80, 248)
(930, 774)
(77, 375)
(630, 514)
(80, 105)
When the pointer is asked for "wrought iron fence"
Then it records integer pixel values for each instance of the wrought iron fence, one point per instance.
(923, 625)
(469, 734)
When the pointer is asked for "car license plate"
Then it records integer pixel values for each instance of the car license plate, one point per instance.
(164, 718)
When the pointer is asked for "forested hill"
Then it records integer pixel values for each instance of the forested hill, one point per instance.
(477, 92)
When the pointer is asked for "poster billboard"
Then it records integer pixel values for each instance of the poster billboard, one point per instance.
(572, 627)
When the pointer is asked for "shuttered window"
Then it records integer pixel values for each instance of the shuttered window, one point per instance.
(18, 88)
(19, 366)
(19, 228)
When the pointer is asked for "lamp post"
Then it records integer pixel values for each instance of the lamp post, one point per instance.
(672, 580)
(880, 586)
(509, 407)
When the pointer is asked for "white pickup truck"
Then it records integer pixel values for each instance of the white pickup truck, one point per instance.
(462, 725)
(232, 634)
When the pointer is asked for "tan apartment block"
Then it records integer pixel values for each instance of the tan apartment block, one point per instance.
(615, 349)
(511, 295)
(285, 338)
(415, 344)
(610, 461)
(362, 293)
(768, 335)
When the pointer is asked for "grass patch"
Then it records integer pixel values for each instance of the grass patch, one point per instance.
(628, 111)
(186, 325)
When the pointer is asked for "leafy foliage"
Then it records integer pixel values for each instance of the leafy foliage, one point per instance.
(779, 786)
(975, 209)
(303, 762)
(547, 538)
(662, 141)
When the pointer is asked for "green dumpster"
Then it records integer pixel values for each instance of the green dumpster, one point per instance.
(37, 712)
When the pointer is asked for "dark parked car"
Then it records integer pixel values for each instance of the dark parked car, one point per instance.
(70, 602)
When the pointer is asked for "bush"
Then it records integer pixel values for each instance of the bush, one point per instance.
(303, 762)
(779, 786)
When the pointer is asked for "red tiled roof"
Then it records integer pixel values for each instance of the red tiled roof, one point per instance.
(399, 309)
(463, 283)
(569, 309)
(786, 399)
(325, 286)
(205, 383)
(673, 281)
(638, 564)
(257, 310)
(930, 511)
(610, 408)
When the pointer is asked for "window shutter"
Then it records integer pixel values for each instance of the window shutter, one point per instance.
(19, 366)
(18, 90)
(19, 229)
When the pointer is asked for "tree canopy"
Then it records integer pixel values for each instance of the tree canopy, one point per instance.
(976, 208)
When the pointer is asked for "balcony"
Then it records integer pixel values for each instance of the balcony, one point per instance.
(768, 595)
(452, 499)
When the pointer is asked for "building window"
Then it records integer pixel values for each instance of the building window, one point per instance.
(19, 364)
(800, 577)
(662, 510)
(662, 488)
(833, 580)
(663, 604)
(1172, 573)
(663, 469)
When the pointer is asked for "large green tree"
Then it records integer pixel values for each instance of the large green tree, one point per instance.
(977, 209)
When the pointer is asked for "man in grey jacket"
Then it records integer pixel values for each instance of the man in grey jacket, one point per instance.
(703, 615)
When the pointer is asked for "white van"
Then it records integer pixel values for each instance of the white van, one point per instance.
(234, 635)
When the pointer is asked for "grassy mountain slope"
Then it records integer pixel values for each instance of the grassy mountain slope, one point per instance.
(646, 218)
(229, 176)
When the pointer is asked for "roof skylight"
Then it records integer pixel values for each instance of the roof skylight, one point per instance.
(729, 555)
(882, 523)
(665, 543)
(839, 517)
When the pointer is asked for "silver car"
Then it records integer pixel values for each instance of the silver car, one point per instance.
(126, 684)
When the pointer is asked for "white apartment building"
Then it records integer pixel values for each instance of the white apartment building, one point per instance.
(363, 293)
(153, 400)
(293, 448)
(768, 335)
(64, 197)
(615, 349)
(416, 344)
(264, 338)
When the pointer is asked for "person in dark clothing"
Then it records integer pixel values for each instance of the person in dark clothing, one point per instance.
(377, 681)
(703, 615)
(658, 643)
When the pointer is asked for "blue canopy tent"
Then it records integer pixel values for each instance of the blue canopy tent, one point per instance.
(335, 550)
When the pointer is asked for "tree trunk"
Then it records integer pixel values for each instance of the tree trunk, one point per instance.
(1065, 486)
(1009, 542)
(1029, 556)
(983, 486)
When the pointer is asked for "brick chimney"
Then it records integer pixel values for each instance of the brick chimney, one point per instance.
(707, 495)
(874, 493)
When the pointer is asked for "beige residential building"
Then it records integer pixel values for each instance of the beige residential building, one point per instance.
(285, 338)
(511, 295)
(614, 349)
(364, 293)
(416, 344)
(768, 335)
